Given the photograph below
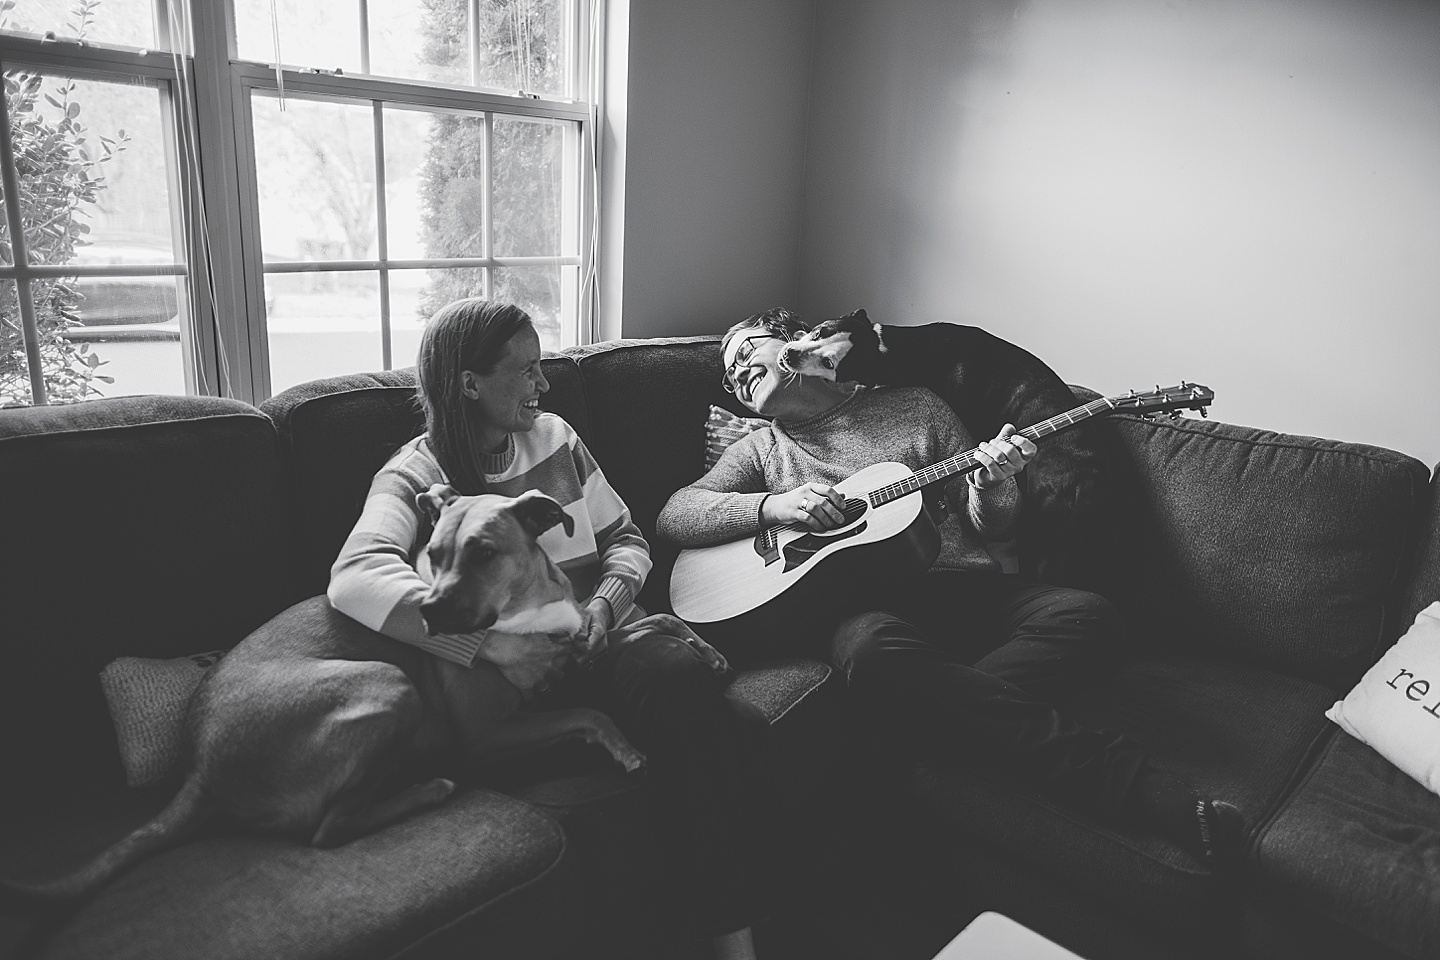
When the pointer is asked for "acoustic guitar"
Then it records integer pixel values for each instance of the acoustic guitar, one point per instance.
(885, 527)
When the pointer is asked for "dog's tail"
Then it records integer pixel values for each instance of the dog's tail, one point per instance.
(181, 819)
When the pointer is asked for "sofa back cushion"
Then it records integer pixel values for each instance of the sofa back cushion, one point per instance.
(338, 431)
(137, 526)
(1287, 551)
(649, 401)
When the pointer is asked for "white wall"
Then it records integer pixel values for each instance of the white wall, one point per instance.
(1244, 193)
(703, 164)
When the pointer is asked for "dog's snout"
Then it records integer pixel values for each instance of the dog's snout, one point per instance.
(441, 616)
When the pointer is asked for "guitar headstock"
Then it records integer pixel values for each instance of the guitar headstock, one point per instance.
(1171, 400)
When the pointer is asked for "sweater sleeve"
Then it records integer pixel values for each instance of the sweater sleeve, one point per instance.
(724, 504)
(624, 554)
(373, 581)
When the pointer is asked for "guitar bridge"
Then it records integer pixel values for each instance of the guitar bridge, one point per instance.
(767, 541)
(767, 545)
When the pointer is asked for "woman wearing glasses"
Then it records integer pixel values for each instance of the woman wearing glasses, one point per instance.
(961, 661)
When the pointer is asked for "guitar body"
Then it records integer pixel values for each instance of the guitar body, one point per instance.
(724, 582)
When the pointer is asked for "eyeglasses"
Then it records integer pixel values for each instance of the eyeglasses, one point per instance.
(743, 354)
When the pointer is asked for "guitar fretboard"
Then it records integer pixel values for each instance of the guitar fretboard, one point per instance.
(967, 461)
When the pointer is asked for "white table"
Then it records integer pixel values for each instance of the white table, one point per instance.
(994, 936)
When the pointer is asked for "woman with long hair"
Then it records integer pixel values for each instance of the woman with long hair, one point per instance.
(480, 383)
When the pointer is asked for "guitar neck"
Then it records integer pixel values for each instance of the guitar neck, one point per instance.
(967, 461)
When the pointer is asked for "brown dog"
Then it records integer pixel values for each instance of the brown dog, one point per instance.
(296, 732)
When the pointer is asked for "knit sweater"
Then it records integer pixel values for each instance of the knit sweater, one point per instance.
(908, 425)
(379, 578)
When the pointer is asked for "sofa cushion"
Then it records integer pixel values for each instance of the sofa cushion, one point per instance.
(1282, 551)
(1237, 733)
(148, 699)
(1356, 848)
(479, 858)
(138, 526)
(339, 431)
(723, 428)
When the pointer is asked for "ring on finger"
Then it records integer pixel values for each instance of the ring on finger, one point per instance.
(805, 505)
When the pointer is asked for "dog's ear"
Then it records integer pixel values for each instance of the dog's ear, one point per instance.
(435, 499)
(538, 513)
(861, 315)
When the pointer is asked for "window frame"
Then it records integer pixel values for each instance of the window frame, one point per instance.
(225, 344)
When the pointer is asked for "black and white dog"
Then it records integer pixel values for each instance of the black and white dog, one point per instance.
(989, 382)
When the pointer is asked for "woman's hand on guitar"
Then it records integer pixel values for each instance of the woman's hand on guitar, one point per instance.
(817, 505)
(1002, 457)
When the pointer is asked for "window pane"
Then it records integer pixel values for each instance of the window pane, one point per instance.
(434, 46)
(315, 164)
(129, 23)
(416, 295)
(95, 189)
(524, 45)
(93, 165)
(548, 294)
(313, 33)
(14, 366)
(74, 368)
(133, 325)
(436, 185)
(529, 164)
(322, 325)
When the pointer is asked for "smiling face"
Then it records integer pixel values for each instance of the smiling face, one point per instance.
(752, 367)
(507, 399)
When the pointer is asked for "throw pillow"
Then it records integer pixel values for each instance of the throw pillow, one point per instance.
(723, 428)
(1395, 708)
(147, 701)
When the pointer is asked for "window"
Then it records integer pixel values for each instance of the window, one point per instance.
(192, 218)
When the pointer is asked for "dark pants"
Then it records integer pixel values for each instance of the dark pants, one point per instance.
(966, 666)
(699, 746)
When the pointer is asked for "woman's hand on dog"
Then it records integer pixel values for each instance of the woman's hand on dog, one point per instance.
(591, 641)
(529, 661)
(817, 505)
(1002, 457)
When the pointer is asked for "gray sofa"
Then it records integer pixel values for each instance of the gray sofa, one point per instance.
(1260, 574)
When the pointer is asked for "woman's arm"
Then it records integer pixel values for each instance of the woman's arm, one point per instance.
(372, 580)
(624, 554)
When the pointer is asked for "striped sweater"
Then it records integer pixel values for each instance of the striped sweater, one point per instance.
(375, 579)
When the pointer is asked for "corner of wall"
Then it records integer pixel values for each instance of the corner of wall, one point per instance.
(611, 135)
